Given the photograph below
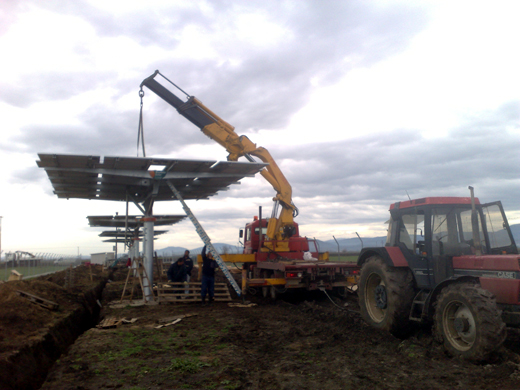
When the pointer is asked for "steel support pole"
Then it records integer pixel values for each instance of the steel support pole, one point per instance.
(148, 224)
(135, 254)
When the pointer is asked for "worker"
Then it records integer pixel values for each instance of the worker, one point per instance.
(177, 273)
(188, 262)
(209, 265)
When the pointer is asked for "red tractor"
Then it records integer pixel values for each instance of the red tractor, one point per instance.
(449, 261)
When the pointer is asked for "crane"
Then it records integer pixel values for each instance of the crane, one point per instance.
(280, 227)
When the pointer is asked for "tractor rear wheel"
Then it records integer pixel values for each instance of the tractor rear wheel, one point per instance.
(468, 321)
(385, 296)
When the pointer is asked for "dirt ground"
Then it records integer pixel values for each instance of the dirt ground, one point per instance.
(292, 343)
(298, 342)
(22, 321)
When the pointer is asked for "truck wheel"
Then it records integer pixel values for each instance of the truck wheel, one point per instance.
(385, 296)
(468, 321)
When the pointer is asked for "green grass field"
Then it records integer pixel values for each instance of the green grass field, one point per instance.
(346, 258)
(28, 272)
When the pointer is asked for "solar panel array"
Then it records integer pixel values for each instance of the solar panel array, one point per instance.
(138, 178)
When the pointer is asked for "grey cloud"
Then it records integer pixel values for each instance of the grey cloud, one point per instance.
(269, 84)
(150, 26)
(375, 168)
(105, 132)
(33, 175)
(51, 86)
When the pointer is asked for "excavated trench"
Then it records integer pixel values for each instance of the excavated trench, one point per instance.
(27, 367)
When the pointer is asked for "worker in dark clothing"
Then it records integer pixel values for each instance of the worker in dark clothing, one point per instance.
(177, 273)
(188, 262)
(209, 265)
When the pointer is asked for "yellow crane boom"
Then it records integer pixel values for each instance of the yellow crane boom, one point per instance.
(279, 227)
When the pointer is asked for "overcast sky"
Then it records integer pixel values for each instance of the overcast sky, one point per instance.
(359, 102)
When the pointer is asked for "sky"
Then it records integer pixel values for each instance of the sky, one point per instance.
(361, 103)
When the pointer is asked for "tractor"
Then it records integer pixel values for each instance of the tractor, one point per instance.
(448, 261)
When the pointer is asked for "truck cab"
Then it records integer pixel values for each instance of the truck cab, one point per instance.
(258, 244)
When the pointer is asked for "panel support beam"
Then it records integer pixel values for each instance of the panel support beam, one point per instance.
(205, 238)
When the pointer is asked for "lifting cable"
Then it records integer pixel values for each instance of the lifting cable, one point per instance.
(334, 303)
(140, 129)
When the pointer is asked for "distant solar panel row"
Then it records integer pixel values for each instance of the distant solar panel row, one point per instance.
(120, 221)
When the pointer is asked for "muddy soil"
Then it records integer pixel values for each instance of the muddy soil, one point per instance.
(297, 343)
(33, 336)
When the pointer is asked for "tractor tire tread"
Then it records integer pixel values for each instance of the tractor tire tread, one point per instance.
(491, 332)
(400, 289)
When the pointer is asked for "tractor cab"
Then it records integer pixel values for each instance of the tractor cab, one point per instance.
(431, 231)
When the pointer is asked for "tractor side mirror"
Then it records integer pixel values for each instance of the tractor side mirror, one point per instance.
(241, 233)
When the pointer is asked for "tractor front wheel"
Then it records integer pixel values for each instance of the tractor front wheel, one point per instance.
(385, 296)
(468, 321)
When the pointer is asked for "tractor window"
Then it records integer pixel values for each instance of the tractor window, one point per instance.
(248, 235)
(496, 226)
(451, 231)
(465, 226)
(412, 230)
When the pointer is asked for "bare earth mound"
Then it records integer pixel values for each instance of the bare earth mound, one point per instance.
(40, 318)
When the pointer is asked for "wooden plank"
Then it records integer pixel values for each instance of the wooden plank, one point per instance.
(15, 275)
(168, 324)
(38, 301)
(241, 304)
(109, 322)
(166, 320)
(174, 292)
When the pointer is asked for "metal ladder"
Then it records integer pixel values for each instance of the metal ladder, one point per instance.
(205, 238)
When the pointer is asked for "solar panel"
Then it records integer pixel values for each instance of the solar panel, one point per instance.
(119, 240)
(139, 178)
(119, 221)
(121, 234)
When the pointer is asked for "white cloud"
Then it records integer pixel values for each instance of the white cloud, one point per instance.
(358, 102)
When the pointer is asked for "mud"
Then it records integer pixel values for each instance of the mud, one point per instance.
(300, 342)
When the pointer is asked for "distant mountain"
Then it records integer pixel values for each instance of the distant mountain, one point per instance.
(168, 251)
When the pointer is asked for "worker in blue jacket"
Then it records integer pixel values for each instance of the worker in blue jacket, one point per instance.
(209, 265)
(177, 274)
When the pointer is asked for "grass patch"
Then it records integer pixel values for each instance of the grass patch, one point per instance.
(187, 366)
(343, 258)
(31, 271)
